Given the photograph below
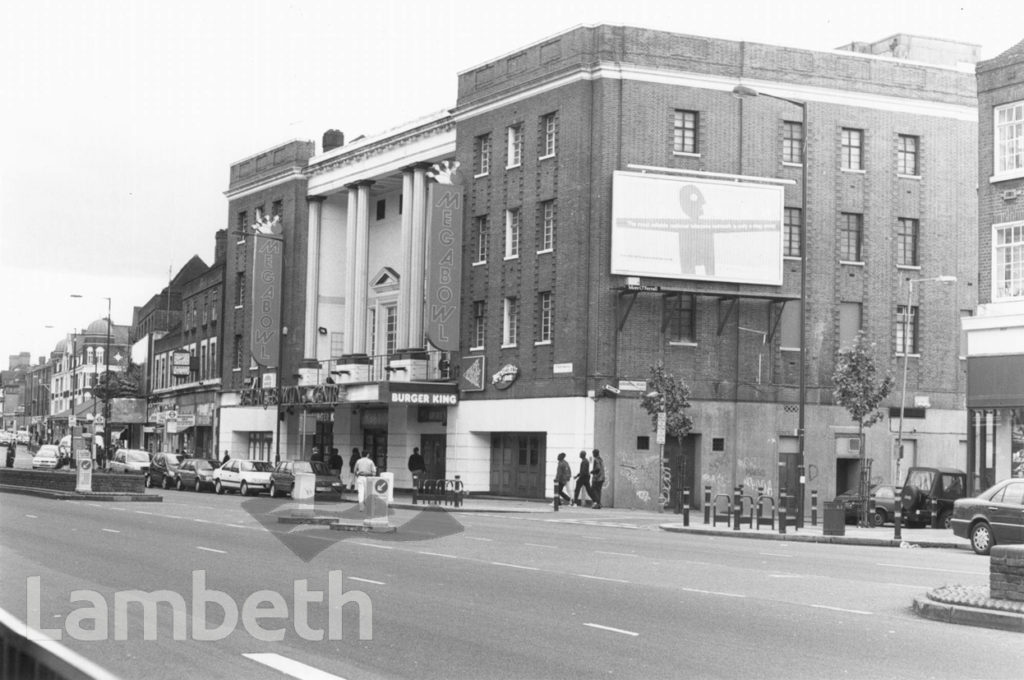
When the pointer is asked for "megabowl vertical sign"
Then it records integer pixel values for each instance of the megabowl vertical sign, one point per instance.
(444, 247)
(265, 339)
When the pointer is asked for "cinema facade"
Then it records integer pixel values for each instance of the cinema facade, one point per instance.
(621, 208)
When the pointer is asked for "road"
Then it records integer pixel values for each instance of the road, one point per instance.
(580, 594)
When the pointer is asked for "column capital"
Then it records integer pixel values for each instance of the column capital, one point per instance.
(359, 183)
(315, 199)
(419, 165)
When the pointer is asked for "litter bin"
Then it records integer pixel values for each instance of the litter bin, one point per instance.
(835, 519)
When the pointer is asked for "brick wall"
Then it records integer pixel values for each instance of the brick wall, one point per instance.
(1006, 573)
(65, 481)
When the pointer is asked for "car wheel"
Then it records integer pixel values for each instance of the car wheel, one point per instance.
(164, 483)
(273, 490)
(197, 488)
(945, 518)
(878, 518)
(981, 538)
(149, 482)
(179, 486)
(243, 489)
(218, 487)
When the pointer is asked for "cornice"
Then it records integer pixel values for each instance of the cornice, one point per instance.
(362, 154)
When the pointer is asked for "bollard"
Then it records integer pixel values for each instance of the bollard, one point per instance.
(707, 504)
(686, 506)
(802, 479)
(557, 499)
(782, 513)
(814, 508)
(737, 507)
(897, 518)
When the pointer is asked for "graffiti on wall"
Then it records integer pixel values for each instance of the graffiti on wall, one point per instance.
(750, 472)
(643, 473)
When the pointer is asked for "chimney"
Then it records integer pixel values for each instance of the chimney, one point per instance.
(220, 247)
(332, 140)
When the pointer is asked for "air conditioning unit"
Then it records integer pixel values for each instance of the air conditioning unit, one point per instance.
(1011, 194)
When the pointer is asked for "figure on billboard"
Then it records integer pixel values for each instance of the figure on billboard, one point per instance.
(696, 242)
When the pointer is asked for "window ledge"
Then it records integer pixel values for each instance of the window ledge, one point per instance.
(794, 258)
(853, 263)
(854, 171)
(687, 154)
(481, 262)
(912, 355)
(546, 250)
(789, 349)
(544, 158)
(681, 343)
(541, 342)
(511, 167)
(511, 257)
(901, 176)
(477, 349)
(482, 174)
(238, 306)
(909, 267)
(511, 346)
(791, 164)
(1003, 176)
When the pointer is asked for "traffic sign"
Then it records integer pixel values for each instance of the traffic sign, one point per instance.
(98, 421)
(72, 421)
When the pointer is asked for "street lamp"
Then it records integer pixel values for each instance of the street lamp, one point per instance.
(906, 354)
(660, 438)
(106, 391)
(739, 92)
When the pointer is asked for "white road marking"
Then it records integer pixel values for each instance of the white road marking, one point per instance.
(711, 592)
(202, 521)
(32, 516)
(540, 545)
(365, 580)
(111, 531)
(784, 575)
(514, 566)
(948, 571)
(477, 538)
(116, 509)
(434, 554)
(95, 505)
(236, 526)
(776, 554)
(840, 609)
(613, 630)
(605, 552)
(602, 578)
(373, 545)
(213, 550)
(173, 517)
(143, 512)
(296, 669)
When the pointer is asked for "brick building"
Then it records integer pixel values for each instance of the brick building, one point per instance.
(571, 138)
(995, 336)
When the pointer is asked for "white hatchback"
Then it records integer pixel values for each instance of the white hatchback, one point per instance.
(248, 476)
(46, 458)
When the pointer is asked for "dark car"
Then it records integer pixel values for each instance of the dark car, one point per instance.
(282, 481)
(196, 473)
(881, 504)
(995, 516)
(163, 470)
(928, 495)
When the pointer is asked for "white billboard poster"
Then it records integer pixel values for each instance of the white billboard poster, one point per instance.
(678, 227)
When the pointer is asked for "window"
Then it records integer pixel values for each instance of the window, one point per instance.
(390, 328)
(515, 146)
(510, 332)
(789, 326)
(793, 224)
(850, 319)
(851, 228)
(203, 357)
(684, 132)
(206, 309)
(906, 242)
(1009, 142)
(482, 155)
(381, 209)
(547, 226)
(239, 289)
(964, 314)
(482, 238)
(549, 133)
(544, 317)
(677, 320)
(238, 353)
(213, 358)
(242, 223)
(906, 155)
(851, 152)
(792, 142)
(1008, 267)
(214, 303)
(259, 213)
(337, 345)
(512, 233)
(906, 330)
(479, 324)
(277, 209)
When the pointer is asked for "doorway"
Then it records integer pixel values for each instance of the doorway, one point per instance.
(517, 464)
(432, 448)
(375, 444)
(681, 458)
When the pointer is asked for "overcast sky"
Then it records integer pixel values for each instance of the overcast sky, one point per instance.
(119, 119)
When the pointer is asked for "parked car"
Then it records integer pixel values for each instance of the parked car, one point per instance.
(881, 504)
(928, 495)
(6, 437)
(129, 460)
(23, 437)
(195, 473)
(282, 480)
(46, 458)
(994, 516)
(245, 475)
(163, 470)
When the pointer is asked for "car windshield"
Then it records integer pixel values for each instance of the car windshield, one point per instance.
(315, 467)
(255, 466)
(922, 479)
(885, 492)
(203, 465)
(172, 461)
(137, 457)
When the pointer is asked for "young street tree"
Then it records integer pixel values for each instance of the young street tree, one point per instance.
(859, 389)
(669, 395)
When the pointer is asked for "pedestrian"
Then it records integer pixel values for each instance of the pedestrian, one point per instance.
(364, 466)
(227, 457)
(352, 467)
(582, 479)
(417, 467)
(597, 479)
(562, 476)
(336, 463)
(317, 456)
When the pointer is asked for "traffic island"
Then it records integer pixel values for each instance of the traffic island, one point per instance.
(61, 484)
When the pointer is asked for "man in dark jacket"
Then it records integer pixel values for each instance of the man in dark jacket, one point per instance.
(562, 476)
(597, 478)
(417, 466)
(582, 479)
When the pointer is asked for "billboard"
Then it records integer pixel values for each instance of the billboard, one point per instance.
(265, 340)
(678, 227)
(444, 270)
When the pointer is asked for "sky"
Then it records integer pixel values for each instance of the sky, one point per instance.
(119, 119)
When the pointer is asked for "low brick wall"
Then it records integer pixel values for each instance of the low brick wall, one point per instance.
(1006, 573)
(64, 480)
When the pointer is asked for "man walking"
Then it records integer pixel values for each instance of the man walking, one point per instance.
(417, 467)
(597, 479)
(562, 476)
(582, 479)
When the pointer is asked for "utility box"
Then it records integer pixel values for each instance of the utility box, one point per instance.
(835, 519)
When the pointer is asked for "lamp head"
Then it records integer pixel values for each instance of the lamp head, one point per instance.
(741, 91)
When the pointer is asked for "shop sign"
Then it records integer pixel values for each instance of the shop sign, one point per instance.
(504, 378)
(561, 368)
(181, 364)
(265, 339)
(444, 273)
(424, 398)
(472, 377)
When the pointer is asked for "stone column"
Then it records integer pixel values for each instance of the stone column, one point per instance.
(419, 242)
(350, 269)
(405, 274)
(315, 204)
(361, 258)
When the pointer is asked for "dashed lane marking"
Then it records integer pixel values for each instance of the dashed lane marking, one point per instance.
(841, 609)
(948, 571)
(612, 630)
(295, 669)
(540, 545)
(365, 580)
(111, 531)
(374, 545)
(712, 592)
(603, 578)
(514, 566)
(32, 516)
(477, 538)
(213, 550)
(617, 554)
(434, 554)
